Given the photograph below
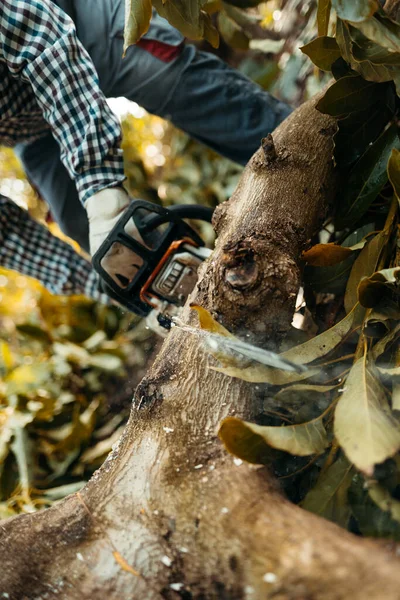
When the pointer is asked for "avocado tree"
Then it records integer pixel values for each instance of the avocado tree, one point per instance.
(187, 505)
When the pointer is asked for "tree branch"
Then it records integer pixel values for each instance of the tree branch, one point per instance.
(170, 514)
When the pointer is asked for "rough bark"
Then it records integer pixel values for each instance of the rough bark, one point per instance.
(170, 514)
(282, 198)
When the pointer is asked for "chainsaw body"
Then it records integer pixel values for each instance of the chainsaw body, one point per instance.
(149, 260)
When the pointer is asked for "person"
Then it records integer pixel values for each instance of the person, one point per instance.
(59, 60)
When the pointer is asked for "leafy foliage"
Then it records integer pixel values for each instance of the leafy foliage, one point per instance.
(351, 397)
(241, 24)
(56, 367)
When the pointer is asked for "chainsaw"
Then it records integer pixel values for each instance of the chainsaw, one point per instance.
(149, 260)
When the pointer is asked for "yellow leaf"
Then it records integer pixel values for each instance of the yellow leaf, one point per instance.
(323, 14)
(208, 323)
(261, 374)
(364, 426)
(394, 172)
(365, 264)
(252, 442)
(137, 20)
(328, 497)
(27, 378)
(6, 357)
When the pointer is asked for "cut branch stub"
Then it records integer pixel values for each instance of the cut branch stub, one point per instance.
(241, 270)
(269, 149)
(280, 202)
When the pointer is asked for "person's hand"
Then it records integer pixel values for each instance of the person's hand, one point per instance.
(104, 210)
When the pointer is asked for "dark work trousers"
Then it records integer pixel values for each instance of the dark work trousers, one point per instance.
(195, 90)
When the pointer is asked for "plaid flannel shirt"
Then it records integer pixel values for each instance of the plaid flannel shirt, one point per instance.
(48, 81)
(30, 248)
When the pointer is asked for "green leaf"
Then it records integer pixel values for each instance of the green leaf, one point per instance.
(35, 332)
(355, 10)
(367, 178)
(394, 172)
(252, 442)
(358, 131)
(365, 264)
(187, 16)
(380, 347)
(232, 33)
(364, 426)
(330, 280)
(325, 342)
(381, 30)
(323, 15)
(347, 95)
(344, 40)
(347, 37)
(372, 72)
(328, 497)
(365, 49)
(381, 316)
(372, 289)
(323, 51)
(137, 20)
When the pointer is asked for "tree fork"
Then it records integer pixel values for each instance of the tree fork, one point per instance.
(170, 514)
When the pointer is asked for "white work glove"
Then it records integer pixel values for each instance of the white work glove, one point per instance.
(104, 210)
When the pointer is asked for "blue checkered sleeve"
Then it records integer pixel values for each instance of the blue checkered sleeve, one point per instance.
(39, 45)
(30, 248)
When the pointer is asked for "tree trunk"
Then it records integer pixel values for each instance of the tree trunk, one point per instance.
(170, 514)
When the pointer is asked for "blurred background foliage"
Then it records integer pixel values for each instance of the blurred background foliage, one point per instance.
(68, 367)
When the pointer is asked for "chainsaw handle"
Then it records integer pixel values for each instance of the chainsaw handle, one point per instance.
(178, 212)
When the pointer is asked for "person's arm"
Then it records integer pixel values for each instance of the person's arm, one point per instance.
(30, 248)
(38, 42)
